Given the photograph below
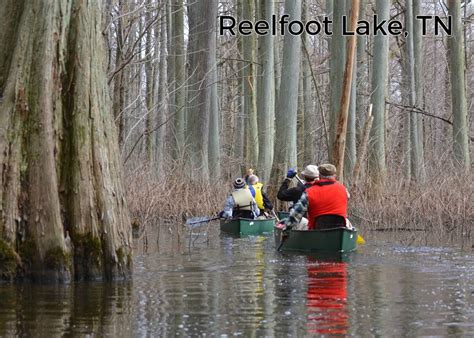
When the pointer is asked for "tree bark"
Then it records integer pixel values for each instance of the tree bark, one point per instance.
(341, 131)
(249, 85)
(410, 69)
(362, 75)
(202, 21)
(266, 103)
(309, 113)
(214, 141)
(286, 113)
(149, 98)
(118, 101)
(377, 165)
(458, 88)
(351, 151)
(180, 77)
(161, 94)
(337, 63)
(61, 179)
(419, 97)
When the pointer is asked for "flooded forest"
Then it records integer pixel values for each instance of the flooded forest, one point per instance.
(127, 126)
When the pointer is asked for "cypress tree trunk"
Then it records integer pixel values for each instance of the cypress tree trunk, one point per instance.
(458, 88)
(266, 88)
(377, 165)
(337, 64)
(309, 113)
(286, 113)
(214, 142)
(149, 74)
(415, 158)
(239, 131)
(362, 75)
(350, 151)
(418, 73)
(61, 179)
(300, 127)
(249, 85)
(202, 22)
(179, 63)
(277, 58)
(339, 146)
(119, 89)
(161, 93)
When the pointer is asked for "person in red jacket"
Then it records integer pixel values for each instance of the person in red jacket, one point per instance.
(325, 202)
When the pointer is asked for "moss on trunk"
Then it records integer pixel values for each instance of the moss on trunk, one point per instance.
(61, 171)
(9, 261)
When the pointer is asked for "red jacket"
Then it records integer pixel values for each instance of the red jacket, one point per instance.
(326, 197)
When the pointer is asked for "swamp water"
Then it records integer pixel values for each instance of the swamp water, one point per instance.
(209, 284)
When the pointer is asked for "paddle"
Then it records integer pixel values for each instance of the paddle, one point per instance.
(276, 217)
(284, 237)
(360, 240)
(200, 220)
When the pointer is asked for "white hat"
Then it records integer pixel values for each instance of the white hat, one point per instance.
(311, 171)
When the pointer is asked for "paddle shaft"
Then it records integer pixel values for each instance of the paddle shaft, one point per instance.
(203, 221)
(284, 237)
(276, 217)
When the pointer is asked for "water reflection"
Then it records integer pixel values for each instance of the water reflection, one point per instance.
(326, 297)
(228, 286)
(46, 310)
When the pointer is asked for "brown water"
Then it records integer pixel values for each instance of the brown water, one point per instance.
(224, 286)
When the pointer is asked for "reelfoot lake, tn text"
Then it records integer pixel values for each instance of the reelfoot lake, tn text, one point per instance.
(229, 25)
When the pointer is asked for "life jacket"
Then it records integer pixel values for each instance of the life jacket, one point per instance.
(243, 199)
(326, 197)
(256, 190)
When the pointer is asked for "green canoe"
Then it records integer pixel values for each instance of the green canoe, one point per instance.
(324, 240)
(245, 226)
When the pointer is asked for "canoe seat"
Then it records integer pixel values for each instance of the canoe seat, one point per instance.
(330, 221)
(242, 214)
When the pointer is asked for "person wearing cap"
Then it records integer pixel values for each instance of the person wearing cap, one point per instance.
(261, 198)
(325, 202)
(310, 175)
(240, 203)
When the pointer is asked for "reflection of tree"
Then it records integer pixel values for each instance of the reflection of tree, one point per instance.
(103, 309)
(326, 298)
(62, 310)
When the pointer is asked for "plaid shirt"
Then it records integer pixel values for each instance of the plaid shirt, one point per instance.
(298, 211)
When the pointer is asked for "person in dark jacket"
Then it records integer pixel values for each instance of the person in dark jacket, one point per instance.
(310, 174)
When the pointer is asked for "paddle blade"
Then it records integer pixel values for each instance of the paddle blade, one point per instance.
(360, 240)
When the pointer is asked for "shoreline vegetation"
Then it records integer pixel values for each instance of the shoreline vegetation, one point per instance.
(442, 205)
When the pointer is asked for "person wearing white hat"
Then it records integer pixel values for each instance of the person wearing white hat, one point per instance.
(310, 175)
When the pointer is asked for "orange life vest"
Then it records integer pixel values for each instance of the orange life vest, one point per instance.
(326, 197)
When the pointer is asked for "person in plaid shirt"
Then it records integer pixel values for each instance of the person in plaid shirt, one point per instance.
(325, 202)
